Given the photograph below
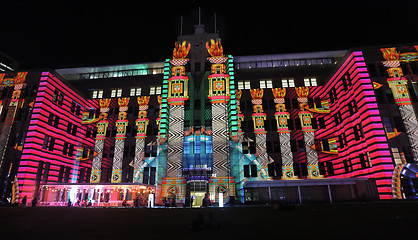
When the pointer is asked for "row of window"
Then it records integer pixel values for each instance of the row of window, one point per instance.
(286, 82)
(117, 92)
(53, 120)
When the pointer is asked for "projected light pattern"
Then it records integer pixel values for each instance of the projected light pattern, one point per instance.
(362, 144)
(46, 143)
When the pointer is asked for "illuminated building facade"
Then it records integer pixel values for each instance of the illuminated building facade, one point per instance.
(203, 124)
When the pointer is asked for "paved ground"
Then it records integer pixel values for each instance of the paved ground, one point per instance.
(384, 220)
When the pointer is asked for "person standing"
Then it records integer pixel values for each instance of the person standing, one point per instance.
(24, 201)
(34, 202)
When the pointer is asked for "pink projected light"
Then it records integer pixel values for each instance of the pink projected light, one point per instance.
(39, 130)
(373, 145)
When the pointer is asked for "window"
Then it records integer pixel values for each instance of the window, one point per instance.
(250, 170)
(155, 90)
(310, 82)
(240, 85)
(58, 97)
(342, 140)
(330, 168)
(53, 120)
(48, 143)
(266, 83)
(348, 167)
(352, 107)
(135, 92)
(332, 95)
(72, 129)
(244, 85)
(248, 148)
(288, 82)
(262, 84)
(346, 81)
(116, 93)
(358, 132)
(247, 85)
(97, 94)
(149, 175)
(364, 161)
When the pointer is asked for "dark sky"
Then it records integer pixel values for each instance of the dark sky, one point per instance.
(91, 33)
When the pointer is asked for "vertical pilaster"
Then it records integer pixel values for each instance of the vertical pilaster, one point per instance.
(141, 124)
(121, 124)
(308, 133)
(219, 94)
(260, 133)
(282, 117)
(96, 168)
(14, 105)
(173, 185)
(398, 85)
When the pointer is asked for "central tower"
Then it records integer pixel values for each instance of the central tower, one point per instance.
(196, 120)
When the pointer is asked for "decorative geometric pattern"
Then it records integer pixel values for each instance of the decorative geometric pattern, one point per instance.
(138, 161)
(117, 159)
(220, 139)
(411, 127)
(97, 161)
(175, 141)
(285, 149)
(260, 141)
(311, 155)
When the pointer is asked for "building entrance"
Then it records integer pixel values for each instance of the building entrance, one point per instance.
(198, 189)
(197, 198)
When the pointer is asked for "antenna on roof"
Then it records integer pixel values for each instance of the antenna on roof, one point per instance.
(181, 26)
(215, 22)
(199, 15)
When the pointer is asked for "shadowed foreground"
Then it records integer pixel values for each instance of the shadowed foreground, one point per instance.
(383, 220)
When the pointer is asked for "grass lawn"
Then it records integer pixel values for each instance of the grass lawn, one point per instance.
(378, 220)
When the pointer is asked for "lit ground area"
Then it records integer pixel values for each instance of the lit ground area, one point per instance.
(384, 220)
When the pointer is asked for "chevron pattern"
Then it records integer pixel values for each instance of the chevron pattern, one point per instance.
(117, 160)
(139, 153)
(118, 156)
(311, 155)
(411, 127)
(260, 143)
(220, 139)
(97, 162)
(175, 141)
(285, 149)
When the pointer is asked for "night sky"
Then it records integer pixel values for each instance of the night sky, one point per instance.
(75, 33)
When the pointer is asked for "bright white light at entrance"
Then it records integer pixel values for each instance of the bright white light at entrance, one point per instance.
(221, 200)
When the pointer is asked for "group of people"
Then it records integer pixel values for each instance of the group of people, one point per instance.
(25, 199)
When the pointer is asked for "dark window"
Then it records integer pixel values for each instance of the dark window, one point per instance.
(246, 170)
(363, 161)
(325, 145)
(321, 123)
(330, 168)
(253, 170)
